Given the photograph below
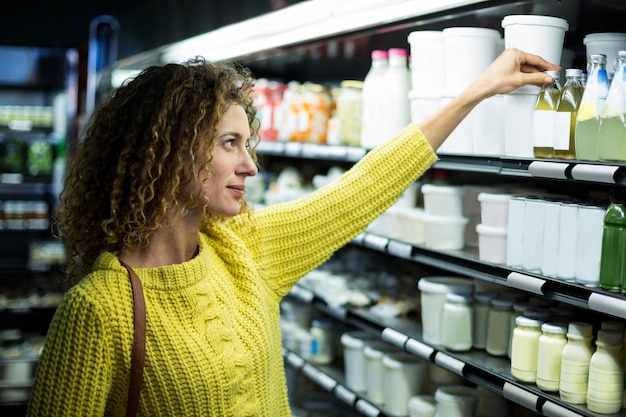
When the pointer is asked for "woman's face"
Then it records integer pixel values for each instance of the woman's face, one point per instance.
(231, 164)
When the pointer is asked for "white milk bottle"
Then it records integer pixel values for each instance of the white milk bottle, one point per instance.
(551, 344)
(372, 104)
(575, 363)
(524, 349)
(397, 85)
(606, 374)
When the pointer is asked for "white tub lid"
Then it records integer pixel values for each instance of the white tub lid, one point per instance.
(471, 31)
(425, 35)
(530, 19)
(604, 37)
(458, 221)
(494, 197)
(443, 285)
(485, 230)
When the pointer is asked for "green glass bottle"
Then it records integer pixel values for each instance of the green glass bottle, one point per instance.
(613, 258)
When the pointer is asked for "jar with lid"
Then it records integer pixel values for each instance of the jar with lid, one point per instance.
(322, 339)
(525, 349)
(551, 344)
(349, 112)
(313, 106)
(498, 322)
(479, 321)
(575, 363)
(606, 374)
(456, 322)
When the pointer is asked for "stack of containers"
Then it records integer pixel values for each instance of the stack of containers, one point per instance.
(492, 231)
(444, 222)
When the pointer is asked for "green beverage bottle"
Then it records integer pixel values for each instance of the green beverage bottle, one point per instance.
(566, 112)
(613, 259)
(612, 134)
(591, 106)
(544, 118)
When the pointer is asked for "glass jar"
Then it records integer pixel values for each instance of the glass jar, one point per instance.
(525, 348)
(349, 109)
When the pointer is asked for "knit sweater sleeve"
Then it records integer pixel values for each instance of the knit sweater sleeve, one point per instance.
(295, 237)
(73, 375)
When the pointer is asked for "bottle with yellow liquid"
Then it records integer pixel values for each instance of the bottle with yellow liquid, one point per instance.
(544, 117)
(566, 112)
(591, 106)
(612, 134)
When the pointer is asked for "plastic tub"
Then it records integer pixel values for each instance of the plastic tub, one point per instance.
(427, 62)
(443, 200)
(403, 378)
(491, 243)
(456, 401)
(494, 209)
(608, 43)
(354, 359)
(411, 226)
(445, 233)
(374, 371)
(422, 106)
(433, 292)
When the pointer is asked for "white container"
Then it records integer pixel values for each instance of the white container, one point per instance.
(456, 322)
(443, 200)
(422, 406)
(534, 215)
(568, 241)
(589, 249)
(354, 359)
(551, 224)
(433, 292)
(444, 233)
(551, 344)
(515, 238)
(488, 127)
(518, 124)
(404, 376)
(468, 52)
(460, 140)
(575, 363)
(491, 243)
(422, 108)
(374, 369)
(525, 349)
(395, 97)
(608, 43)
(411, 224)
(456, 401)
(494, 209)
(427, 63)
(539, 35)
(606, 376)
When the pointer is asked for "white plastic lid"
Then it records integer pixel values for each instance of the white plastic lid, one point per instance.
(442, 189)
(483, 229)
(471, 32)
(356, 339)
(555, 328)
(425, 35)
(457, 298)
(456, 394)
(443, 285)
(429, 218)
(604, 37)
(377, 348)
(528, 19)
(527, 321)
(494, 198)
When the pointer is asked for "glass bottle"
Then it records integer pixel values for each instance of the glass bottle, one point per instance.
(591, 106)
(456, 322)
(612, 260)
(567, 110)
(606, 374)
(575, 363)
(371, 93)
(612, 134)
(543, 117)
(397, 85)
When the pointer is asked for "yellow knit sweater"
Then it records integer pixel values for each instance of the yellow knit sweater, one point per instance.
(213, 336)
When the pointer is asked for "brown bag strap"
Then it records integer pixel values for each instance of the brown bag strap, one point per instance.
(139, 344)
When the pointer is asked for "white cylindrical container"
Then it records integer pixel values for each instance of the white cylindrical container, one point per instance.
(551, 344)
(428, 74)
(422, 107)
(498, 322)
(404, 375)
(468, 52)
(456, 322)
(575, 363)
(550, 252)
(354, 360)
(374, 369)
(518, 124)
(479, 324)
(445, 233)
(433, 292)
(533, 234)
(606, 374)
(488, 127)
(589, 249)
(539, 35)
(525, 349)
(494, 209)
(395, 98)
(460, 140)
(515, 232)
(422, 406)
(322, 340)
(411, 224)
(608, 43)
(439, 377)
(443, 200)
(568, 241)
(491, 243)
(456, 401)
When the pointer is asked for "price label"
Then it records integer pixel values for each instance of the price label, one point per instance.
(595, 173)
(525, 282)
(294, 360)
(394, 337)
(522, 397)
(345, 395)
(359, 239)
(450, 363)
(399, 249)
(607, 304)
(302, 294)
(551, 409)
(367, 409)
(376, 242)
(293, 148)
(325, 381)
(419, 349)
(546, 169)
(310, 371)
(355, 154)
(310, 150)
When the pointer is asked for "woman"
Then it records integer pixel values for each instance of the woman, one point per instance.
(158, 183)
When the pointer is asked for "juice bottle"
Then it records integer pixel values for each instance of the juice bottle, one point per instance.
(591, 106)
(612, 134)
(566, 112)
(544, 118)
(612, 262)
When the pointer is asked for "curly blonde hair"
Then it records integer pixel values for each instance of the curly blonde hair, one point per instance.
(135, 157)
